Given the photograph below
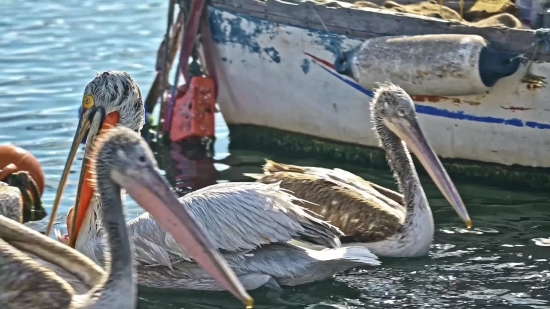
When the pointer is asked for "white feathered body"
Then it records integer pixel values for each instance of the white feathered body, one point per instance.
(252, 224)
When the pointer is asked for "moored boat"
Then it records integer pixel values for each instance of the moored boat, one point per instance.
(274, 64)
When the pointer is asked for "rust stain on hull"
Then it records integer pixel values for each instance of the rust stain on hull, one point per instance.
(533, 86)
(426, 98)
(436, 99)
(514, 108)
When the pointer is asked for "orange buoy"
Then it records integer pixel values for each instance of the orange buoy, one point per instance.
(194, 110)
(20, 160)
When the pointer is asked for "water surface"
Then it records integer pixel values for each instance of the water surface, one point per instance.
(50, 50)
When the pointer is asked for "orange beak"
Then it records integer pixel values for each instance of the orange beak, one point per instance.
(84, 191)
(70, 218)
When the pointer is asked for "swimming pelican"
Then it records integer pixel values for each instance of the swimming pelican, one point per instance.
(250, 223)
(386, 222)
(120, 160)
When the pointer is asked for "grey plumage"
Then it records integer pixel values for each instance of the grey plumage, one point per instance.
(27, 278)
(243, 216)
(250, 223)
(24, 283)
(11, 202)
(387, 222)
(123, 94)
(11, 207)
(115, 92)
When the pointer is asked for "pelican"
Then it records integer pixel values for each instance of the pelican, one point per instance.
(250, 223)
(12, 207)
(120, 160)
(386, 222)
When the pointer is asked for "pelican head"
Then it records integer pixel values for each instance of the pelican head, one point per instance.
(117, 97)
(119, 94)
(394, 116)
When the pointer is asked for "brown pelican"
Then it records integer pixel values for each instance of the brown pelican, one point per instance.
(387, 222)
(120, 160)
(250, 223)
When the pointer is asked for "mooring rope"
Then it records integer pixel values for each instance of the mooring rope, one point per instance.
(541, 35)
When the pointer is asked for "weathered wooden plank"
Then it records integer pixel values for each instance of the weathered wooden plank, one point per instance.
(340, 18)
(293, 22)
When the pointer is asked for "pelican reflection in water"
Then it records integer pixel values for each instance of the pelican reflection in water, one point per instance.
(121, 159)
(252, 224)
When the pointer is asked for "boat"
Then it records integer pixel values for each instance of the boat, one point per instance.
(278, 88)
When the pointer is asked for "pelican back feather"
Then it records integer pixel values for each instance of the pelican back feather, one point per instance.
(360, 209)
(24, 283)
(237, 217)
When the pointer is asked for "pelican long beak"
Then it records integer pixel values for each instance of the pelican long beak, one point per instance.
(151, 190)
(85, 190)
(411, 133)
(70, 219)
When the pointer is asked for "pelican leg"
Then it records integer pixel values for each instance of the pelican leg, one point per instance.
(461, 9)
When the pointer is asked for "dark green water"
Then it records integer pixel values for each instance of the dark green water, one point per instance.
(49, 51)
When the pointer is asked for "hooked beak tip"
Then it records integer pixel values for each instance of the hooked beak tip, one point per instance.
(469, 224)
(249, 302)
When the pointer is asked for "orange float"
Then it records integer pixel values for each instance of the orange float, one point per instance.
(194, 108)
(15, 159)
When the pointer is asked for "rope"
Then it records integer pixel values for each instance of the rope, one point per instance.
(173, 93)
(541, 35)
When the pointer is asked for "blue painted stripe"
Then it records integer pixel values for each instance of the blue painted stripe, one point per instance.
(439, 112)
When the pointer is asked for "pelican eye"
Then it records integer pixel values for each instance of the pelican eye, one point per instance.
(88, 101)
(400, 111)
(142, 159)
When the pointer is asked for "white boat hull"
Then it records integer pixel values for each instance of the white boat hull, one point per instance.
(281, 77)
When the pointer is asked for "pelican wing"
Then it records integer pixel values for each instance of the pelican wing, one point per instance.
(24, 283)
(364, 211)
(30, 254)
(79, 287)
(237, 217)
(393, 198)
